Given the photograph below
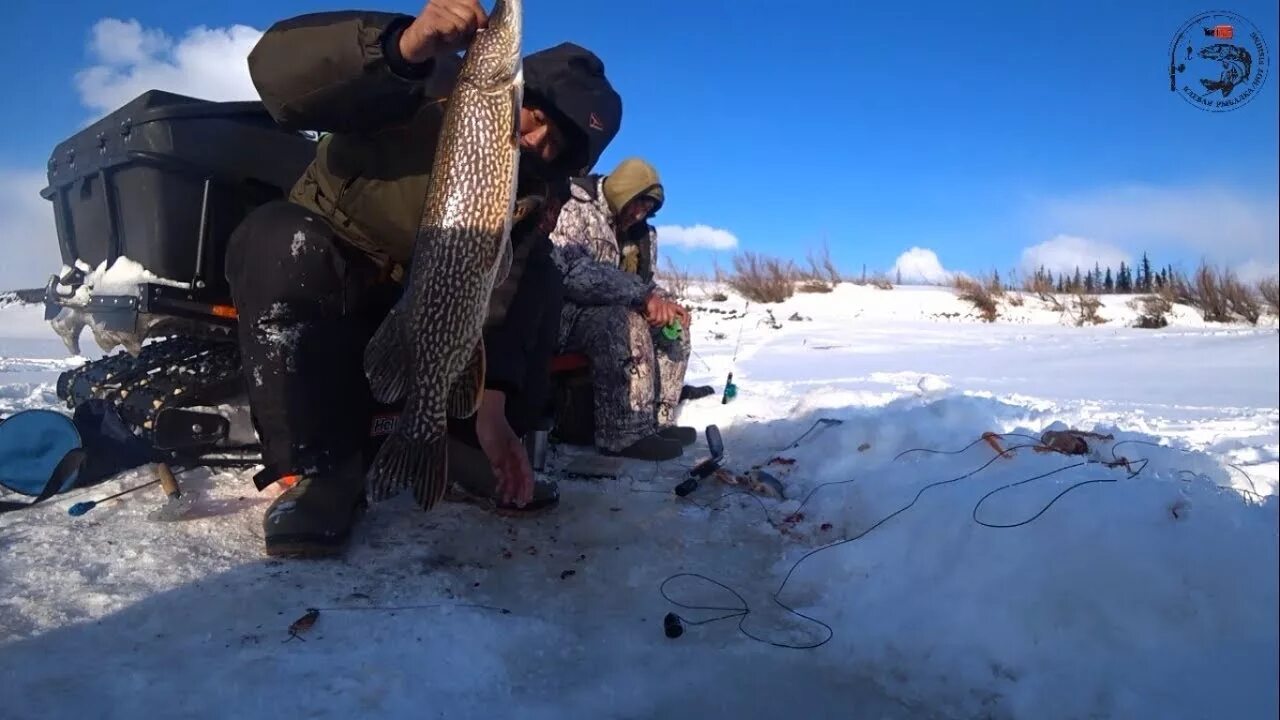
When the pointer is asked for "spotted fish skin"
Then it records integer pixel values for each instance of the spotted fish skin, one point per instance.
(429, 351)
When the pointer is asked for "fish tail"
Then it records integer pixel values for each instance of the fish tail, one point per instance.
(386, 362)
(403, 461)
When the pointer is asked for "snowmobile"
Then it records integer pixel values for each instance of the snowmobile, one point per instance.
(145, 200)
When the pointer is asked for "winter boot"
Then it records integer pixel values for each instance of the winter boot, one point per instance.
(473, 481)
(314, 517)
(691, 392)
(654, 447)
(681, 434)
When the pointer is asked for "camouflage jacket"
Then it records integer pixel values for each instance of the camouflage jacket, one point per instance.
(597, 269)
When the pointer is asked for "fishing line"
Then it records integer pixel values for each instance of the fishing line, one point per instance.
(1253, 488)
(308, 620)
(744, 611)
(824, 422)
(700, 359)
(406, 608)
(731, 390)
(742, 324)
(966, 448)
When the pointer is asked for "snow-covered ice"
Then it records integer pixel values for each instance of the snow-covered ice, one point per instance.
(1147, 595)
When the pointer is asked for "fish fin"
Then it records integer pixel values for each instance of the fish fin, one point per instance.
(464, 396)
(402, 462)
(385, 361)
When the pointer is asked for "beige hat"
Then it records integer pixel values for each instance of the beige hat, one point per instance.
(632, 178)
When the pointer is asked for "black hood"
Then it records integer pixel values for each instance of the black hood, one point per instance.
(568, 82)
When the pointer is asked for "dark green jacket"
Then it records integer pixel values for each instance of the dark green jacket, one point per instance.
(341, 73)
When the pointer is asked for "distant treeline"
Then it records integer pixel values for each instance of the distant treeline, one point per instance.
(1101, 281)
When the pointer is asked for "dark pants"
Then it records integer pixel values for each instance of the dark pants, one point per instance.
(308, 303)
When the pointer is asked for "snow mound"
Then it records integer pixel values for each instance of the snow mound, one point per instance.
(990, 602)
(932, 384)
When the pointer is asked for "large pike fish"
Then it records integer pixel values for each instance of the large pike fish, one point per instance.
(429, 351)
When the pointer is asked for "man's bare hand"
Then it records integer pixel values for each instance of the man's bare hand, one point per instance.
(506, 454)
(442, 26)
(660, 311)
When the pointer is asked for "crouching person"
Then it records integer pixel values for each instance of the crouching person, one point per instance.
(313, 276)
(614, 313)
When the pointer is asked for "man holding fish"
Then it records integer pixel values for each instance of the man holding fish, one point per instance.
(371, 284)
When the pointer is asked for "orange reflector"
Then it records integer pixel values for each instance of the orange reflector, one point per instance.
(225, 311)
(289, 481)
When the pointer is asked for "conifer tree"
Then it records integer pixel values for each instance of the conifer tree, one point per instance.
(1123, 282)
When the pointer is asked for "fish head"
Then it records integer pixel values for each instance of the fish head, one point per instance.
(493, 61)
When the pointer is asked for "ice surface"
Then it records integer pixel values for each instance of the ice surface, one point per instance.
(1152, 595)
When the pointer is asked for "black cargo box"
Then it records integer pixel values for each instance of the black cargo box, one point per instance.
(164, 180)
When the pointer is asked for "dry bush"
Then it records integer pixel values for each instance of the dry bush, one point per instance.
(1218, 295)
(815, 286)
(977, 293)
(675, 280)
(720, 281)
(1039, 285)
(1239, 297)
(1206, 293)
(822, 268)
(1174, 290)
(1085, 310)
(1152, 310)
(994, 288)
(762, 279)
(878, 280)
(1269, 291)
(822, 276)
(1015, 299)
(717, 273)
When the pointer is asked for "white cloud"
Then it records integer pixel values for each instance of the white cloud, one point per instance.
(127, 60)
(919, 265)
(28, 238)
(1252, 271)
(1227, 226)
(1065, 253)
(696, 237)
(208, 63)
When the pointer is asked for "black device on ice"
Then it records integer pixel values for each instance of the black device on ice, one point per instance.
(703, 469)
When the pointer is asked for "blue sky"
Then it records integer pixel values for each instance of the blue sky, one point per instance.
(974, 130)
